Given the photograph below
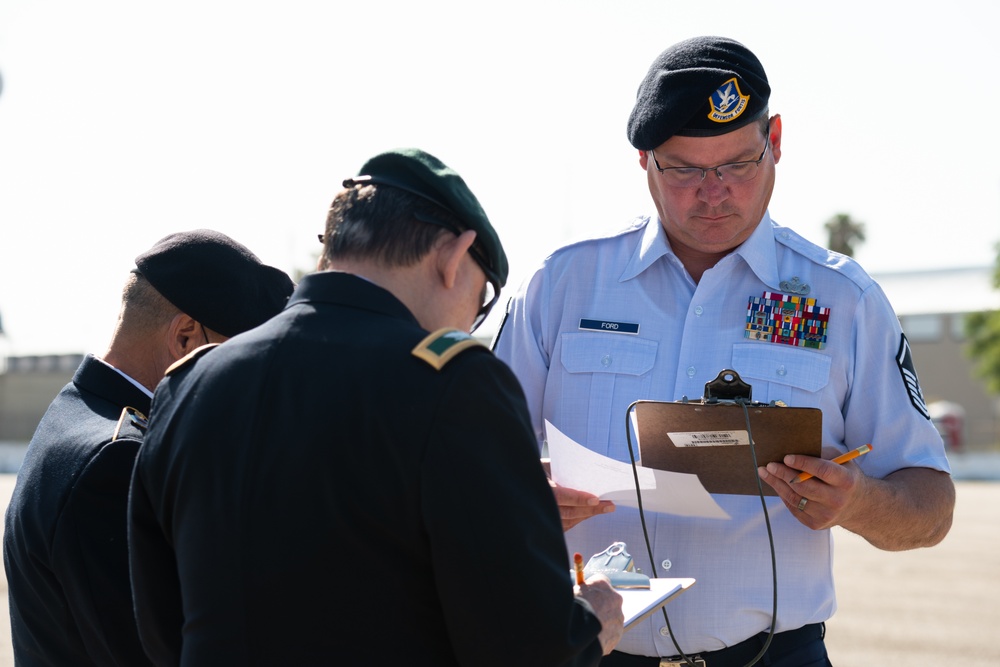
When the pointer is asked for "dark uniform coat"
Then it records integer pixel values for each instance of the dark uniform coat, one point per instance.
(322, 495)
(65, 547)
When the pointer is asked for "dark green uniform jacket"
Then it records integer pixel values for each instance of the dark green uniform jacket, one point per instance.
(338, 487)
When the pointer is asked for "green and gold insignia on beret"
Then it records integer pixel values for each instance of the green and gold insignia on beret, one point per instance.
(441, 346)
(189, 357)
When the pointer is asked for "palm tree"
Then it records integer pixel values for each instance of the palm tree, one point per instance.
(843, 232)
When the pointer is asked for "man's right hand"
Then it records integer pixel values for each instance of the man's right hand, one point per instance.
(607, 605)
(576, 506)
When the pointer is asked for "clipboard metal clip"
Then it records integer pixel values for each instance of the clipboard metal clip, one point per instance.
(728, 386)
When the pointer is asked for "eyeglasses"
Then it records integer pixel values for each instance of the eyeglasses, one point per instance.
(491, 290)
(731, 172)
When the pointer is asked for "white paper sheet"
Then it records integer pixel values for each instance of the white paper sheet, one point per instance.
(576, 467)
(637, 604)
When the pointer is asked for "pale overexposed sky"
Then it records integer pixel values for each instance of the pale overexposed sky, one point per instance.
(123, 121)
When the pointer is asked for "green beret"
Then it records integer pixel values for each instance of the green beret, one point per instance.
(425, 176)
(215, 280)
(701, 87)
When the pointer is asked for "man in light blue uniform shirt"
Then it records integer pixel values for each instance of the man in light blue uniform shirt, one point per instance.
(708, 281)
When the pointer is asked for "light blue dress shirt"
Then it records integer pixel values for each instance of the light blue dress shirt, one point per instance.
(583, 380)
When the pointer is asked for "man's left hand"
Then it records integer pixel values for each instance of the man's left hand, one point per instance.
(822, 501)
(907, 509)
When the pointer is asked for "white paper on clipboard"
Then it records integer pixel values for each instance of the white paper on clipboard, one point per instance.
(576, 467)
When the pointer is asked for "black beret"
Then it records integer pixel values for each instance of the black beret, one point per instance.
(425, 176)
(700, 87)
(215, 280)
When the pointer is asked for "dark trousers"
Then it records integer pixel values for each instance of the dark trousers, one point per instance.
(796, 648)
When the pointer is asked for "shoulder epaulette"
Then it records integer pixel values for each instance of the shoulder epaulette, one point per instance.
(189, 357)
(130, 416)
(440, 347)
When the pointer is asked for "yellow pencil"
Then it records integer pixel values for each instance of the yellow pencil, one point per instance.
(843, 458)
(578, 565)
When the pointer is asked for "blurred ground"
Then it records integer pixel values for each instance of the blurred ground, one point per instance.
(936, 606)
(924, 607)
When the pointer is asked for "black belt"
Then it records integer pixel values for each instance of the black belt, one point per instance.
(736, 655)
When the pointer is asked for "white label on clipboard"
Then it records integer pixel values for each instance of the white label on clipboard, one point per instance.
(709, 438)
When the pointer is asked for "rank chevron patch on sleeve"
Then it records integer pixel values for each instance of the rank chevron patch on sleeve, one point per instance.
(904, 359)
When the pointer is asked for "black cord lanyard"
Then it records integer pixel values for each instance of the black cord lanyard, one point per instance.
(767, 521)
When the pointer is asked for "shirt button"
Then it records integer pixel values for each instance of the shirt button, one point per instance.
(666, 564)
(781, 371)
(698, 310)
(664, 632)
(606, 360)
(691, 371)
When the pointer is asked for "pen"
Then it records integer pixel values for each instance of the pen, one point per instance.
(578, 565)
(843, 458)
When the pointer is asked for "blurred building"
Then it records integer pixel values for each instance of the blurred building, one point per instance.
(27, 386)
(932, 305)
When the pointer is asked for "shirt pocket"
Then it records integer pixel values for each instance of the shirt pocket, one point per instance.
(607, 353)
(604, 374)
(780, 373)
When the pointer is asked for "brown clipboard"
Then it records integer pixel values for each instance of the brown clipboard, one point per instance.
(711, 440)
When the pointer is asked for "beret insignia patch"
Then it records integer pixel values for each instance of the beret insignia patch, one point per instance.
(728, 102)
(440, 347)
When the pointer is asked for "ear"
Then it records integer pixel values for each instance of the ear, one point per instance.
(450, 256)
(774, 134)
(184, 335)
(643, 159)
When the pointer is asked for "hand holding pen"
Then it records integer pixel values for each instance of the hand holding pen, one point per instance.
(833, 500)
(842, 459)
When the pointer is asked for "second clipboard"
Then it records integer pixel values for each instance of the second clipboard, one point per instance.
(638, 604)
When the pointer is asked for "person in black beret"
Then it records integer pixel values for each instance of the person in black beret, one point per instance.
(375, 463)
(709, 281)
(65, 547)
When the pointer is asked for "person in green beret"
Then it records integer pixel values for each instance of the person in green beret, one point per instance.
(356, 481)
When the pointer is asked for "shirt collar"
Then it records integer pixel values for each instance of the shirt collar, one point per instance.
(758, 251)
(127, 377)
(653, 245)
